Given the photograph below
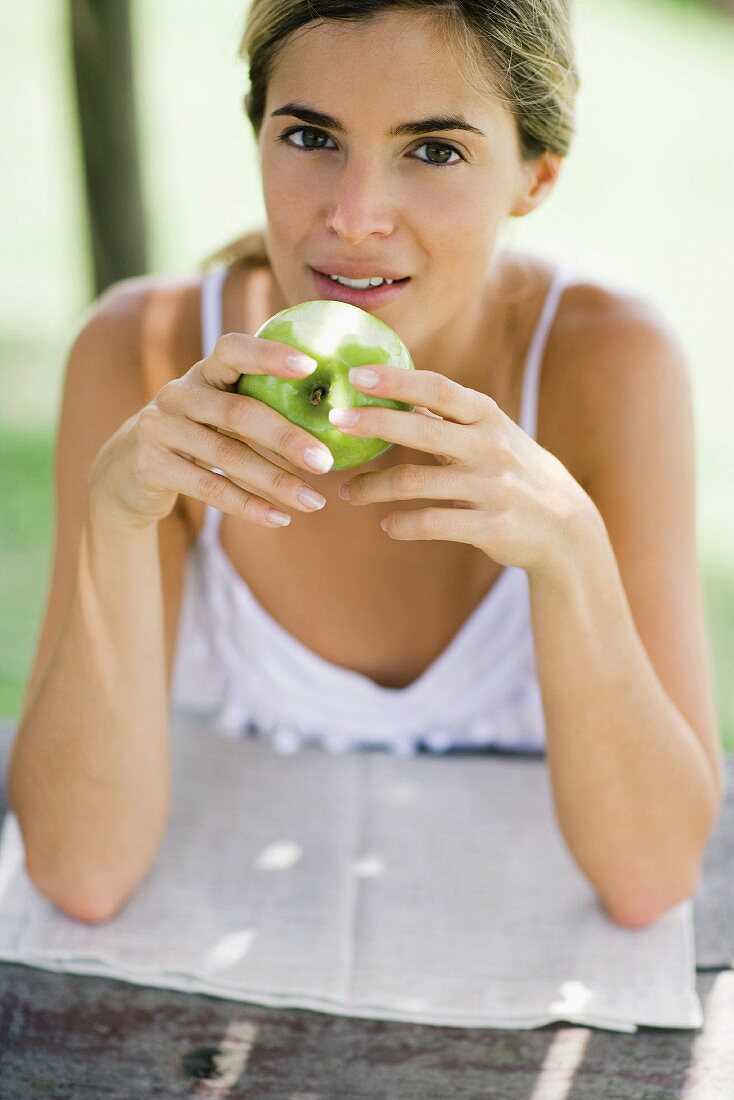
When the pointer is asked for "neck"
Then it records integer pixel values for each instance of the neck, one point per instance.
(471, 349)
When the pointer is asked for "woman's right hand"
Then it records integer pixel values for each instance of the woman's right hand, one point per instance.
(200, 418)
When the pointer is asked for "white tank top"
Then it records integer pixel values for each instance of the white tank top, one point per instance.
(237, 668)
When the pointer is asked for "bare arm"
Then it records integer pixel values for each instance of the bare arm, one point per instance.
(635, 795)
(88, 772)
(633, 747)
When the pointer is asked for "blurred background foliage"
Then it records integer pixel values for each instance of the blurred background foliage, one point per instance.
(645, 201)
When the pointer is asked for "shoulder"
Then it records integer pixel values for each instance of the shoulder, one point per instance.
(150, 325)
(126, 302)
(603, 325)
(618, 366)
(616, 327)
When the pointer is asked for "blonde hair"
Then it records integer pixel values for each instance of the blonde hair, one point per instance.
(519, 50)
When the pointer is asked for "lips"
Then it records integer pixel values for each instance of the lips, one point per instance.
(371, 297)
(364, 271)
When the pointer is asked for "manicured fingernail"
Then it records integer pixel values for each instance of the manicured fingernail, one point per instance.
(343, 418)
(274, 516)
(304, 364)
(362, 376)
(318, 459)
(344, 491)
(310, 498)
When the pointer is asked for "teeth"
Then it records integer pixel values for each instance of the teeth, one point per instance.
(361, 284)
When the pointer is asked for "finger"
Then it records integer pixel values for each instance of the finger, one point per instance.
(428, 388)
(251, 420)
(420, 432)
(407, 482)
(443, 459)
(467, 525)
(238, 461)
(237, 353)
(215, 489)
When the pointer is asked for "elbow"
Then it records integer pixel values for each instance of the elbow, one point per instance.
(639, 911)
(85, 912)
(632, 918)
(648, 900)
(84, 906)
(83, 891)
(90, 914)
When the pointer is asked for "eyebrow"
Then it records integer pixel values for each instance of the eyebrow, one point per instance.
(403, 129)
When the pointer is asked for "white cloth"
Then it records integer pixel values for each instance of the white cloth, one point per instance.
(435, 889)
(238, 668)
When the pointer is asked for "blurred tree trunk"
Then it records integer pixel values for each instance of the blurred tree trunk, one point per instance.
(103, 72)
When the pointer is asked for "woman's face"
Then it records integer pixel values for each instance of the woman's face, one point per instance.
(429, 206)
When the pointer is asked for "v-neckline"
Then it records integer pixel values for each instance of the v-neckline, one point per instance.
(485, 606)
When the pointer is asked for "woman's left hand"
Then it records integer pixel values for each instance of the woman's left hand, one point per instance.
(511, 498)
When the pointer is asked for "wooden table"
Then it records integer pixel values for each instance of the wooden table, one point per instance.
(72, 1036)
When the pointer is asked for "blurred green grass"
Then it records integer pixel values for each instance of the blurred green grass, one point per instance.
(26, 549)
(645, 201)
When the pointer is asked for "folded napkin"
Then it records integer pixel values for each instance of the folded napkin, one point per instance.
(434, 889)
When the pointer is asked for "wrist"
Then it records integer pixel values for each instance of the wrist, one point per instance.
(583, 540)
(107, 515)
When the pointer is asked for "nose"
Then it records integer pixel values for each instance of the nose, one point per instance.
(361, 205)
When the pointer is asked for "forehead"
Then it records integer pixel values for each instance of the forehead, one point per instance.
(397, 65)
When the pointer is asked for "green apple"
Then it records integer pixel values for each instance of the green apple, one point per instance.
(338, 336)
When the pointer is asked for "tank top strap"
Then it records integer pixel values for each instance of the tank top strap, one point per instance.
(211, 307)
(209, 532)
(211, 329)
(531, 379)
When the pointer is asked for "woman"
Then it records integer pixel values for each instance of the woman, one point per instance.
(529, 588)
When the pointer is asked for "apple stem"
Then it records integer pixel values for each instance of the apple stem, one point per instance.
(317, 395)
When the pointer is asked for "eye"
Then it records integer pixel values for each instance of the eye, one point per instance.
(322, 134)
(303, 130)
(445, 148)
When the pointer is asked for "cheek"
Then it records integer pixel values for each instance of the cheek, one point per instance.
(464, 265)
(462, 224)
(285, 188)
(280, 196)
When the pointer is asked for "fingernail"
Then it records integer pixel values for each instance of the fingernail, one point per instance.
(343, 418)
(310, 498)
(318, 459)
(274, 516)
(362, 376)
(304, 364)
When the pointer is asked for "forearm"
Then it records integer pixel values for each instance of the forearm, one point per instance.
(633, 790)
(89, 770)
